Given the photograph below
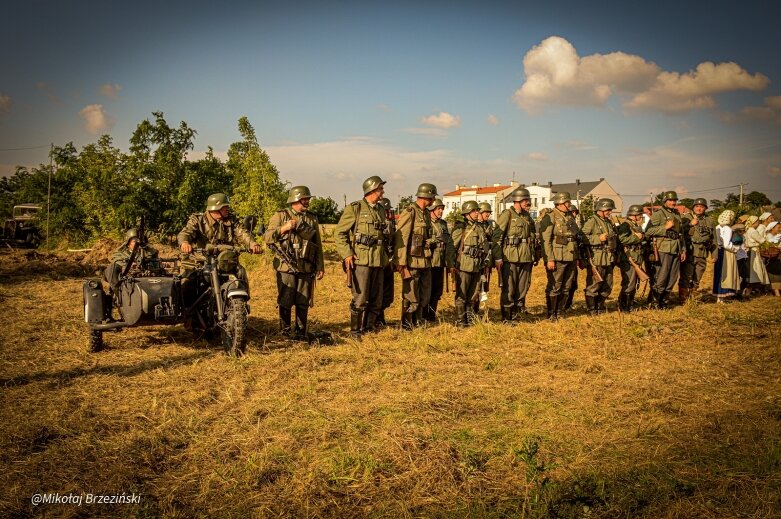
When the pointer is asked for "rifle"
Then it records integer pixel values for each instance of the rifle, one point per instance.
(594, 270)
(349, 276)
(447, 281)
(641, 275)
(285, 257)
(499, 276)
(312, 291)
(656, 250)
(141, 243)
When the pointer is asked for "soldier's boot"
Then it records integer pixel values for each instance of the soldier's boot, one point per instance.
(406, 315)
(521, 308)
(462, 320)
(431, 312)
(661, 300)
(506, 314)
(567, 304)
(601, 306)
(650, 302)
(284, 320)
(511, 313)
(630, 302)
(380, 321)
(683, 295)
(369, 322)
(417, 317)
(548, 306)
(554, 307)
(301, 333)
(356, 321)
(591, 305)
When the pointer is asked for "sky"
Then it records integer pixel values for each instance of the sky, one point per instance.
(651, 96)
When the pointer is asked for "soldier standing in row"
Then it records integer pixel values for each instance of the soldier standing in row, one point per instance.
(388, 283)
(560, 252)
(296, 232)
(513, 244)
(575, 212)
(630, 236)
(599, 237)
(488, 225)
(413, 256)
(362, 243)
(666, 227)
(698, 233)
(441, 257)
(471, 248)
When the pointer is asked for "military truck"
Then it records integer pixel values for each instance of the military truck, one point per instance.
(20, 230)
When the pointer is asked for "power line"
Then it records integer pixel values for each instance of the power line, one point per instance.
(695, 192)
(22, 149)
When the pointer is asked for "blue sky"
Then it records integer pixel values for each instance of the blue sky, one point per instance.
(650, 96)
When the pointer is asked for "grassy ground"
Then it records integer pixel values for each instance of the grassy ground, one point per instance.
(656, 414)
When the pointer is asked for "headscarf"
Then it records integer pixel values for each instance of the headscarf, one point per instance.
(772, 238)
(764, 216)
(726, 217)
(751, 220)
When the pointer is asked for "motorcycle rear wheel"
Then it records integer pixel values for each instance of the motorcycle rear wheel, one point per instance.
(234, 334)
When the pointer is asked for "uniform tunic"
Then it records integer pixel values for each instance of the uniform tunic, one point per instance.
(442, 253)
(670, 244)
(700, 244)
(513, 242)
(471, 248)
(413, 250)
(631, 247)
(602, 255)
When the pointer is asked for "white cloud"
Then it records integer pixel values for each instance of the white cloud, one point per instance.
(556, 75)
(536, 155)
(770, 111)
(5, 103)
(442, 120)
(492, 120)
(95, 119)
(111, 91)
(428, 132)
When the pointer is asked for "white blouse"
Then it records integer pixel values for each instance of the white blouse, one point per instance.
(724, 237)
(753, 238)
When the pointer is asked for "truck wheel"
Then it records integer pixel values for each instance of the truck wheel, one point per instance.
(95, 341)
(234, 335)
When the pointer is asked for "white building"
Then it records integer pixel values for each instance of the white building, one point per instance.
(498, 195)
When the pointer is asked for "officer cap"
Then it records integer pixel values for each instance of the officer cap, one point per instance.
(436, 203)
(520, 194)
(298, 193)
(634, 210)
(701, 201)
(217, 201)
(372, 183)
(605, 204)
(561, 197)
(469, 206)
(485, 207)
(426, 190)
(670, 195)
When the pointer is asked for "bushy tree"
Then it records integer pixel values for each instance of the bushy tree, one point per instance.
(325, 209)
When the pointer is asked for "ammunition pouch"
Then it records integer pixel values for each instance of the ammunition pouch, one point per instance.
(475, 252)
(564, 240)
(514, 241)
(672, 234)
(365, 239)
(306, 251)
(418, 247)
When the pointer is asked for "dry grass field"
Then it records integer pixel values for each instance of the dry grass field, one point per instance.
(655, 414)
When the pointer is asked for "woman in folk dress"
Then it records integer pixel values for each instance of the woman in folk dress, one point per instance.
(725, 274)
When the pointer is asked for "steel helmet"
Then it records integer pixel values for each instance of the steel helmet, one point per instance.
(131, 234)
(372, 183)
(298, 193)
(217, 201)
(562, 197)
(485, 207)
(469, 206)
(635, 210)
(670, 195)
(520, 194)
(436, 203)
(426, 190)
(701, 201)
(605, 204)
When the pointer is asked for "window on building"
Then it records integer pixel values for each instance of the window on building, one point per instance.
(535, 201)
(543, 200)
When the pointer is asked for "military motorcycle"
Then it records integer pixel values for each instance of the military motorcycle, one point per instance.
(208, 294)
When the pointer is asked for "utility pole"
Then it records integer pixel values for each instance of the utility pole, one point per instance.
(345, 201)
(741, 194)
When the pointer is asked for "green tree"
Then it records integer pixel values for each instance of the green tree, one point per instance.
(756, 199)
(404, 202)
(325, 209)
(257, 189)
(687, 202)
(587, 208)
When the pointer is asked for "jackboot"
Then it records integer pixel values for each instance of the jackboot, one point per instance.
(630, 302)
(591, 305)
(554, 306)
(430, 313)
(683, 295)
(356, 320)
(601, 307)
(661, 299)
(369, 322)
(567, 303)
(548, 307)
(284, 320)
(381, 319)
(462, 320)
(506, 314)
(300, 333)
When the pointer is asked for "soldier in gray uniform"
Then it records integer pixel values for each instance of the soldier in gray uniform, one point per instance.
(388, 284)
(362, 242)
(145, 257)
(513, 243)
(630, 237)
(471, 249)
(442, 252)
(600, 240)
(559, 234)
(413, 255)
(699, 236)
(296, 232)
(665, 227)
(574, 288)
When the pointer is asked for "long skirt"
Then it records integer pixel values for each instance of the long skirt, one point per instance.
(774, 272)
(758, 272)
(725, 274)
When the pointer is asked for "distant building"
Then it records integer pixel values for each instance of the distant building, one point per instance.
(498, 195)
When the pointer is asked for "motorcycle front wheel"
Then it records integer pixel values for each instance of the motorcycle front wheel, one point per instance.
(234, 333)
